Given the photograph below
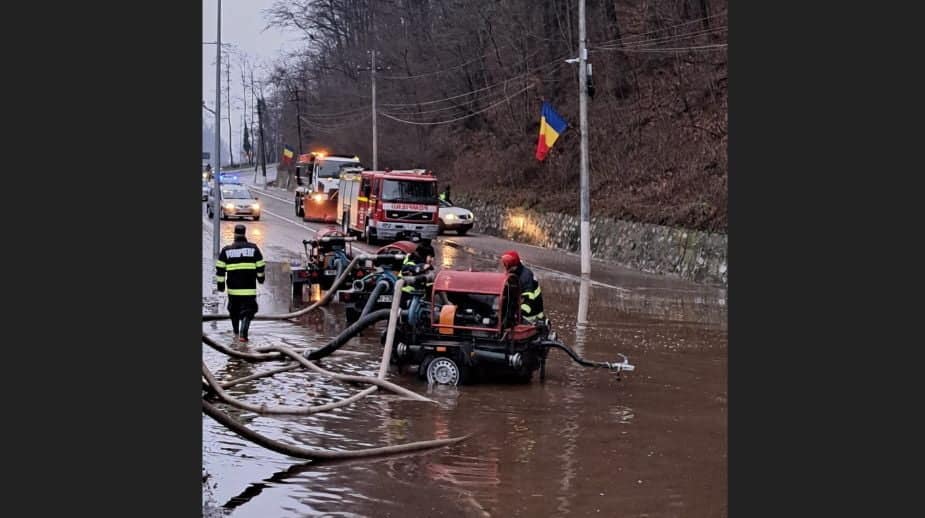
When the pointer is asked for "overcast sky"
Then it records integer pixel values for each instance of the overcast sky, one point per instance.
(242, 23)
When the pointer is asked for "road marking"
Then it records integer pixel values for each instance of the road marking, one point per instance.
(287, 220)
(290, 221)
(268, 195)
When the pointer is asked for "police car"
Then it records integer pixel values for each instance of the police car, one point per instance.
(228, 178)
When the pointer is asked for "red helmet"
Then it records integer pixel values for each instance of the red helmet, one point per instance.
(510, 259)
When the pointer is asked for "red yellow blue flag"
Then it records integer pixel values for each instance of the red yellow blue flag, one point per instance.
(551, 126)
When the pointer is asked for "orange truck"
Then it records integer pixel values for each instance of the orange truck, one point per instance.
(389, 205)
(317, 181)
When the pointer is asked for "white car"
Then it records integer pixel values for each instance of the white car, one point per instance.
(236, 202)
(455, 218)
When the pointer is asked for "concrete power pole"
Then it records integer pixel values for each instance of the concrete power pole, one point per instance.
(583, 110)
(216, 171)
(228, 100)
(375, 142)
(263, 155)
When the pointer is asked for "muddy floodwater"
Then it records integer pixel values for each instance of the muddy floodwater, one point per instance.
(582, 443)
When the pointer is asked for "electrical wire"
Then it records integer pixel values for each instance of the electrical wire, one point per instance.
(557, 61)
(623, 39)
(669, 49)
(458, 118)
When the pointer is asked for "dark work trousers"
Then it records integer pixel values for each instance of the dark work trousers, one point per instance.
(242, 309)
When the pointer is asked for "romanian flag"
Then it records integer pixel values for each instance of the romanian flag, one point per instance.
(287, 154)
(551, 126)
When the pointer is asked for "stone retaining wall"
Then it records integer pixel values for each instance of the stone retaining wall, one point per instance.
(689, 254)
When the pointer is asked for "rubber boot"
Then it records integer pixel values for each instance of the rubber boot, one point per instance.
(245, 326)
(235, 326)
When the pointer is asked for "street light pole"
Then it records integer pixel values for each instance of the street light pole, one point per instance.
(216, 148)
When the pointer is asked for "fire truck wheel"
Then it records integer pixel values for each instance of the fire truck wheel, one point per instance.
(444, 371)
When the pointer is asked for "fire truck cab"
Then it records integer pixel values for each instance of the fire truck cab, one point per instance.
(317, 179)
(389, 205)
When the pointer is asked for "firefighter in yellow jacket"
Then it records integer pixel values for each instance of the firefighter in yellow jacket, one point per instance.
(240, 266)
(416, 263)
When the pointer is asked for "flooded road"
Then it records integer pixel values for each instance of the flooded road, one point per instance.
(580, 444)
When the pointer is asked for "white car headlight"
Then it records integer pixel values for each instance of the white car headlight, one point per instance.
(229, 206)
(451, 217)
(255, 206)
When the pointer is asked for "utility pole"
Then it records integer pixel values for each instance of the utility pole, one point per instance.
(372, 70)
(375, 143)
(263, 155)
(583, 111)
(253, 103)
(228, 81)
(216, 171)
(298, 119)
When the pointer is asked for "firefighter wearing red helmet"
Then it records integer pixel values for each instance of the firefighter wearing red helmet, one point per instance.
(531, 296)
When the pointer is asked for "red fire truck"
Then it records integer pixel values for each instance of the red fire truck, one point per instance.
(388, 205)
(317, 179)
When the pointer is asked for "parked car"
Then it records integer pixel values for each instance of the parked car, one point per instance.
(455, 218)
(236, 202)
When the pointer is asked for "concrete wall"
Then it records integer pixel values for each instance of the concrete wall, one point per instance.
(689, 254)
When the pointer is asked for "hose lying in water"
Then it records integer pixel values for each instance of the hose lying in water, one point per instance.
(379, 382)
(252, 357)
(311, 453)
(380, 287)
(351, 331)
(589, 363)
(328, 349)
(323, 301)
(252, 377)
(263, 408)
(347, 378)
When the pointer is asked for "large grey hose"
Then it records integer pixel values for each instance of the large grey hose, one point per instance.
(311, 453)
(264, 408)
(350, 378)
(393, 317)
(381, 286)
(340, 268)
(345, 335)
(251, 357)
